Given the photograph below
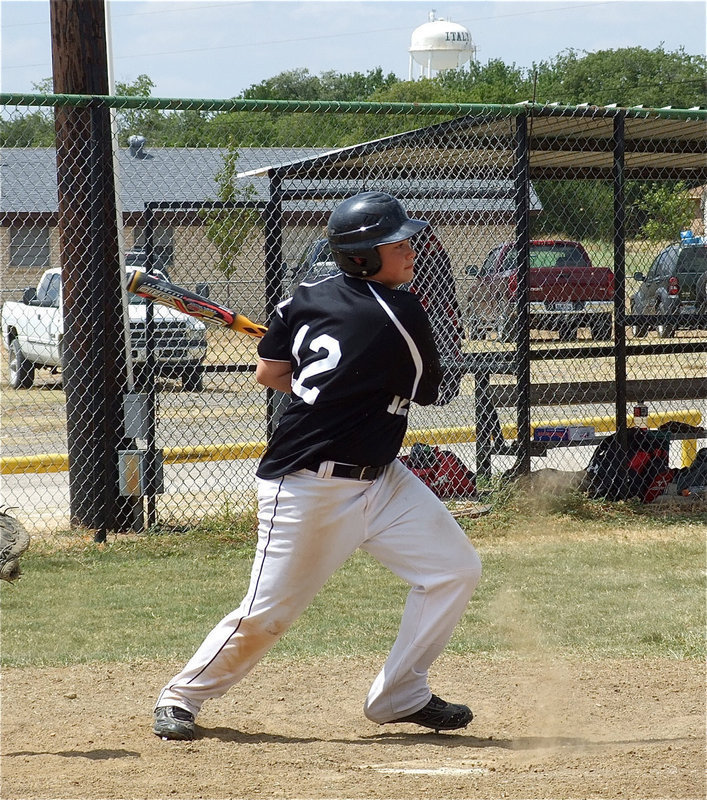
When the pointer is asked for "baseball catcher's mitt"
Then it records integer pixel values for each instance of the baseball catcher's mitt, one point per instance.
(14, 540)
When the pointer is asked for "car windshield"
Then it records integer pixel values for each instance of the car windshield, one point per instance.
(552, 254)
(556, 255)
(322, 269)
(320, 252)
(317, 262)
(692, 260)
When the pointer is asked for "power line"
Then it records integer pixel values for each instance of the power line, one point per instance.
(181, 10)
(295, 40)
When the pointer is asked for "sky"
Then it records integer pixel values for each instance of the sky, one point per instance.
(216, 49)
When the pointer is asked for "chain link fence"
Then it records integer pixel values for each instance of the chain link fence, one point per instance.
(560, 288)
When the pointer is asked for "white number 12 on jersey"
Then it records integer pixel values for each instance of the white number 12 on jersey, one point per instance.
(329, 358)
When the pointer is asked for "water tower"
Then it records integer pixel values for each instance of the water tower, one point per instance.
(440, 44)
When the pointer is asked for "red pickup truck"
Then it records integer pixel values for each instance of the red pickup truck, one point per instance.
(567, 292)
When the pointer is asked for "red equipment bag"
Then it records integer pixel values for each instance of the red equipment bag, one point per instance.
(441, 471)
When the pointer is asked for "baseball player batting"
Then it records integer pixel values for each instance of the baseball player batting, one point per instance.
(353, 351)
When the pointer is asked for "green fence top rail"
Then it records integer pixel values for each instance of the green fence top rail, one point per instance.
(295, 106)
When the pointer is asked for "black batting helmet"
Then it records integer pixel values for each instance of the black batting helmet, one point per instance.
(362, 222)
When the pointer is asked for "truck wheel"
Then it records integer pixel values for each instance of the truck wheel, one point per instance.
(193, 380)
(20, 370)
(601, 329)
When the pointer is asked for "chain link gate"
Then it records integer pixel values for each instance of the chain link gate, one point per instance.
(536, 277)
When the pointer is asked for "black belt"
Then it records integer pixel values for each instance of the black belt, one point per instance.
(353, 471)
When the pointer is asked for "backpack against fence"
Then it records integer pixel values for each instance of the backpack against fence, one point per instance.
(640, 469)
(441, 471)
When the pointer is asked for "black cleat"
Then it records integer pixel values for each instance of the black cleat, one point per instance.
(439, 715)
(173, 722)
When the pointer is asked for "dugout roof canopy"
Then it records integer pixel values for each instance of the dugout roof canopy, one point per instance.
(562, 143)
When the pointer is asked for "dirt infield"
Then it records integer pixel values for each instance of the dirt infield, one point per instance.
(550, 729)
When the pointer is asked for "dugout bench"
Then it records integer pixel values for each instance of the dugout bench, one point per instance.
(489, 397)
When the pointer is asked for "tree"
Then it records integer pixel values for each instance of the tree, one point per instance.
(627, 76)
(294, 84)
(668, 209)
(355, 86)
(229, 228)
(141, 121)
(494, 82)
(31, 129)
(574, 209)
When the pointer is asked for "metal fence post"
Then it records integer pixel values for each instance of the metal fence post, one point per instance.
(619, 275)
(273, 283)
(522, 234)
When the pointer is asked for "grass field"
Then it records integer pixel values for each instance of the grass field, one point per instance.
(573, 577)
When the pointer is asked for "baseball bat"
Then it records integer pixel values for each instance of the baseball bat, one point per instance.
(169, 294)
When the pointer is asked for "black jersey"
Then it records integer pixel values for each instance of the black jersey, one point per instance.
(360, 352)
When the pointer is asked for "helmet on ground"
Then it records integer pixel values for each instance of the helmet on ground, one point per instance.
(359, 224)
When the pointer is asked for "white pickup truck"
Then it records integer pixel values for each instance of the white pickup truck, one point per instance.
(33, 330)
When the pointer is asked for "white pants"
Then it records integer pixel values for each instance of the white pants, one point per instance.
(309, 524)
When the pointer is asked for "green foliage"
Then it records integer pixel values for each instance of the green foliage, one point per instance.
(230, 228)
(494, 82)
(136, 120)
(142, 86)
(300, 84)
(355, 86)
(33, 129)
(574, 209)
(668, 209)
(295, 84)
(627, 76)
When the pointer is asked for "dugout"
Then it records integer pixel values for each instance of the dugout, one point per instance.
(432, 169)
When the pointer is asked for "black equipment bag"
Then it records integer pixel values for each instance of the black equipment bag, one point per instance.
(619, 473)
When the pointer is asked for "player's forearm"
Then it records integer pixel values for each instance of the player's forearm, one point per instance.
(275, 375)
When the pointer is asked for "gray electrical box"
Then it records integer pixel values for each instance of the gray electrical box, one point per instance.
(132, 472)
(136, 418)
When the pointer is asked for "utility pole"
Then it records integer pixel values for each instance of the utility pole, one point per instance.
(94, 366)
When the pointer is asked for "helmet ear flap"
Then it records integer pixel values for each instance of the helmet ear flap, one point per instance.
(363, 265)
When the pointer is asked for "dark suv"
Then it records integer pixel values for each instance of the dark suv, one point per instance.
(675, 284)
(316, 262)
